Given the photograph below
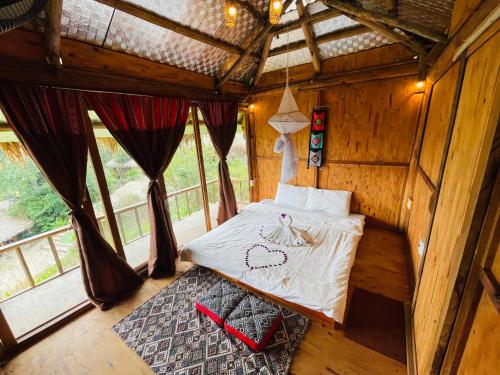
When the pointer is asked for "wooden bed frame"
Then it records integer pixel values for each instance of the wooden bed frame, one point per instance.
(313, 314)
(379, 267)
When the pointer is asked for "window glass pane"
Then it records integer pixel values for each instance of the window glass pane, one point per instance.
(185, 199)
(37, 245)
(237, 161)
(211, 161)
(127, 185)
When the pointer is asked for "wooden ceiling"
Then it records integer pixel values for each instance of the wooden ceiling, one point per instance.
(192, 35)
(245, 48)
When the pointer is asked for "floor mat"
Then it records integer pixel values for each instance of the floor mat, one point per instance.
(172, 337)
(378, 323)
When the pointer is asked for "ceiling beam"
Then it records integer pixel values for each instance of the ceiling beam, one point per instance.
(355, 30)
(263, 58)
(19, 71)
(407, 40)
(387, 19)
(250, 9)
(392, 70)
(255, 43)
(154, 18)
(310, 18)
(308, 34)
(52, 32)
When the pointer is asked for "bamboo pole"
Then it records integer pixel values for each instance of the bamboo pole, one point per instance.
(103, 188)
(52, 32)
(201, 167)
(55, 254)
(308, 34)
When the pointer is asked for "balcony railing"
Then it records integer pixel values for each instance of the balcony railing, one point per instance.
(174, 198)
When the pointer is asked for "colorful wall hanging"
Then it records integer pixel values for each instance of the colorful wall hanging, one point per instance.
(317, 138)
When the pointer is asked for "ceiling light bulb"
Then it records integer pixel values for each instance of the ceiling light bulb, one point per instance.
(275, 11)
(230, 13)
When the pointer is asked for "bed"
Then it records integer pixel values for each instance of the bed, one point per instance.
(314, 275)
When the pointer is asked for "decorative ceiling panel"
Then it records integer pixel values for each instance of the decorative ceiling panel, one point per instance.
(203, 15)
(316, 7)
(236, 34)
(137, 37)
(85, 20)
(290, 37)
(333, 24)
(299, 57)
(245, 71)
(289, 16)
(351, 44)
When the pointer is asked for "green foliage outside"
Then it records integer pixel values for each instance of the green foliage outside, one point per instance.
(34, 199)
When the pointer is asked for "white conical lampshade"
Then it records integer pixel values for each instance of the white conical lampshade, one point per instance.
(288, 119)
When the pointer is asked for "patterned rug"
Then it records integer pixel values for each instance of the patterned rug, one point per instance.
(172, 337)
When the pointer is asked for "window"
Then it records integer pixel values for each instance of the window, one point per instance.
(237, 161)
(128, 186)
(38, 251)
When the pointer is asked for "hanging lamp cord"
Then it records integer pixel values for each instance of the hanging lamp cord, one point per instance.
(287, 49)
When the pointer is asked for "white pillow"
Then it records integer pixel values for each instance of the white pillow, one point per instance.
(294, 196)
(333, 202)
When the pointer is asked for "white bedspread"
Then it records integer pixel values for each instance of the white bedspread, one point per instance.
(315, 275)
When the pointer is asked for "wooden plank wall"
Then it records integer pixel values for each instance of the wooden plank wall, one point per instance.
(473, 132)
(371, 130)
(439, 123)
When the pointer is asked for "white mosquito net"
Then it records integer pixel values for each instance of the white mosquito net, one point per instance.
(288, 120)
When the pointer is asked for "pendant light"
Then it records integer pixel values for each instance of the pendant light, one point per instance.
(287, 120)
(275, 11)
(230, 13)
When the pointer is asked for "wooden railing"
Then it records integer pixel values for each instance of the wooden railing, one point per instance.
(212, 187)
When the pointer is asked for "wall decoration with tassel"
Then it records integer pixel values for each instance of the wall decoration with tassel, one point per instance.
(317, 137)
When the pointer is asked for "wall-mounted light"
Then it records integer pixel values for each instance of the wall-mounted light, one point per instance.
(420, 84)
(230, 13)
(251, 107)
(275, 11)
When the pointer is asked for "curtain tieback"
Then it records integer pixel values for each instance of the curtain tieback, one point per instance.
(152, 182)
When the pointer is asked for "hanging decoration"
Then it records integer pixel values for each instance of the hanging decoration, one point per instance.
(275, 11)
(287, 120)
(317, 137)
(230, 13)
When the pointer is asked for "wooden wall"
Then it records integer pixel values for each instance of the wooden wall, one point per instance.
(458, 186)
(435, 139)
(370, 134)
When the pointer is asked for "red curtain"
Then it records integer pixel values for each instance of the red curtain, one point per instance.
(50, 124)
(150, 130)
(221, 118)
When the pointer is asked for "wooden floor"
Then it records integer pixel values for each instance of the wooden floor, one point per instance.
(381, 265)
(89, 346)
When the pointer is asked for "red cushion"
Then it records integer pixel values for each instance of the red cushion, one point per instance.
(257, 346)
(254, 321)
(217, 319)
(218, 302)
